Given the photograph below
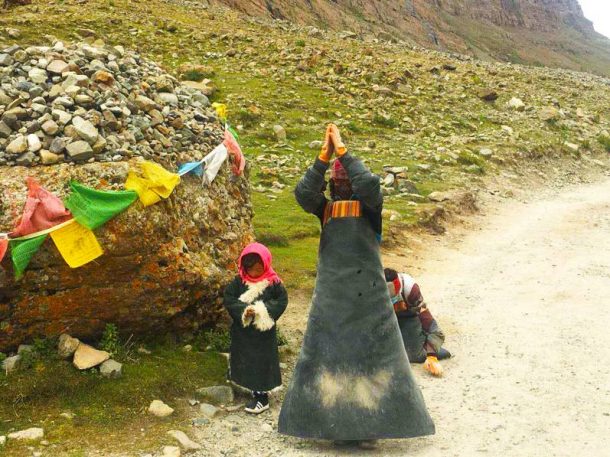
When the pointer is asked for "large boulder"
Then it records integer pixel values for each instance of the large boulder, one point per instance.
(164, 266)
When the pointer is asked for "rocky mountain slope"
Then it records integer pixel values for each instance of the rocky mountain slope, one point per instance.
(541, 32)
(426, 121)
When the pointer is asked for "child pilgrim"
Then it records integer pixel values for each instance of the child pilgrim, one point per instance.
(255, 299)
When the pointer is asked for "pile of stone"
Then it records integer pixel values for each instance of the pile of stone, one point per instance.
(395, 181)
(93, 102)
(83, 357)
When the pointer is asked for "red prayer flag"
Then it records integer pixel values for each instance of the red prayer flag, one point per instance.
(3, 248)
(239, 161)
(42, 210)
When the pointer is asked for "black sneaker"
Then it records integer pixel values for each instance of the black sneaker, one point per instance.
(257, 405)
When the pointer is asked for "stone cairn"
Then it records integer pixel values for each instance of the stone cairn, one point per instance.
(91, 112)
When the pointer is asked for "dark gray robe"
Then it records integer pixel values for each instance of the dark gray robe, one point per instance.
(352, 380)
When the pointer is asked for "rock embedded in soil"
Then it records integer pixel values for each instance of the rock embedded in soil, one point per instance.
(160, 409)
(111, 369)
(516, 104)
(220, 395)
(186, 443)
(30, 434)
(488, 95)
(209, 411)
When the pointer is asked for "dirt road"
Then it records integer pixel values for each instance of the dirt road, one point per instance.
(523, 295)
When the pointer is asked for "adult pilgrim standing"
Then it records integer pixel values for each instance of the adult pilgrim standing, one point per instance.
(352, 381)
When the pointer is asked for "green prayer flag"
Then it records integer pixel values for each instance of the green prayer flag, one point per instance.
(233, 132)
(93, 208)
(23, 251)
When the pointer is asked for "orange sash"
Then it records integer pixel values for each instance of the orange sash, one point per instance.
(342, 208)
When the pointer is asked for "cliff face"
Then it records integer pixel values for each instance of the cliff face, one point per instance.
(543, 15)
(547, 32)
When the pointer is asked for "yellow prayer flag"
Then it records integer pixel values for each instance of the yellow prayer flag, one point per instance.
(76, 244)
(221, 110)
(164, 182)
(140, 186)
(156, 183)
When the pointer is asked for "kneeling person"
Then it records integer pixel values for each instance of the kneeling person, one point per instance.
(255, 299)
(421, 334)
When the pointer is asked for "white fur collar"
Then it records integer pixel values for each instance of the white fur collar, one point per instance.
(255, 289)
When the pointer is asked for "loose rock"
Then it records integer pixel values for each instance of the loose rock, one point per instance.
(10, 364)
(34, 144)
(87, 357)
(171, 451)
(17, 146)
(85, 129)
(79, 151)
(280, 133)
(160, 409)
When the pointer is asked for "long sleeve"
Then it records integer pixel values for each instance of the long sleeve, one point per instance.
(434, 335)
(412, 295)
(276, 305)
(234, 306)
(365, 184)
(310, 189)
(269, 308)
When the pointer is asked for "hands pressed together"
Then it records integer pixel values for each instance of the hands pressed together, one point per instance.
(250, 312)
(433, 366)
(333, 144)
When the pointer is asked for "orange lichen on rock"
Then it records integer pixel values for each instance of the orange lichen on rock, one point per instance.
(162, 270)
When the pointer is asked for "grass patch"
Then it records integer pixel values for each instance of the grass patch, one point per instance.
(103, 407)
(385, 121)
(604, 140)
(469, 158)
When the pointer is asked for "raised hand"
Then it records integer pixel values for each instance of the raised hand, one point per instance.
(328, 148)
(335, 137)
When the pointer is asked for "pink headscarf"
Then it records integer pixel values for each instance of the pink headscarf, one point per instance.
(265, 255)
